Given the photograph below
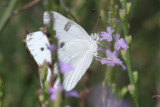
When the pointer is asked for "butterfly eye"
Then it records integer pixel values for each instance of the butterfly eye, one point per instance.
(42, 49)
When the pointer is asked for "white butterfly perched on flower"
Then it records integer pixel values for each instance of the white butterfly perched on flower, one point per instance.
(78, 48)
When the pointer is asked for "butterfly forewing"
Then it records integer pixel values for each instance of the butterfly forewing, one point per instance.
(66, 30)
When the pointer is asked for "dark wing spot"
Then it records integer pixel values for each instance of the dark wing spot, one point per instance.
(68, 25)
(62, 44)
(42, 49)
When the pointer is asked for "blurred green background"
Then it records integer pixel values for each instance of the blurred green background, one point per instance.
(18, 71)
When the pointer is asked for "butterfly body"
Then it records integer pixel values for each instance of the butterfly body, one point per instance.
(75, 47)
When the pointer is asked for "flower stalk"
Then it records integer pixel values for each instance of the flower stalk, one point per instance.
(125, 13)
(1, 92)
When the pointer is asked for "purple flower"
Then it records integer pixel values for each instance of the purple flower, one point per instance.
(73, 93)
(123, 67)
(120, 42)
(107, 35)
(118, 21)
(101, 48)
(108, 21)
(110, 12)
(54, 92)
(65, 67)
(112, 59)
(51, 47)
(116, 6)
(114, 19)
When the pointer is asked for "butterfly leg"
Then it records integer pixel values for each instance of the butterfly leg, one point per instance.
(98, 58)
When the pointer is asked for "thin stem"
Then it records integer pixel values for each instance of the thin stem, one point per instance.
(1, 92)
(30, 4)
(7, 14)
(107, 80)
(127, 61)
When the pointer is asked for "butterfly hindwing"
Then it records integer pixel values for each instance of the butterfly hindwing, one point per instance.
(38, 43)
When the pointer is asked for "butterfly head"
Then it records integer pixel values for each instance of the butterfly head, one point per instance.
(95, 36)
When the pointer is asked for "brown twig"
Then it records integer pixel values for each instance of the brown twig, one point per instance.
(25, 7)
(67, 10)
(86, 90)
(3, 4)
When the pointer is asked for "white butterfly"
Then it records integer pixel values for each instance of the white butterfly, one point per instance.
(78, 48)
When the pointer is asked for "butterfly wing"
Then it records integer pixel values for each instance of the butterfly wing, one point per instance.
(75, 48)
(38, 43)
(66, 30)
(78, 54)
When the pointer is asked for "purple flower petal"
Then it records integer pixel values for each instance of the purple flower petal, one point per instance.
(72, 93)
(117, 46)
(109, 30)
(101, 48)
(114, 19)
(103, 34)
(108, 53)
(123, 67)
(112, 59)
(120, 42)
(116, 6)
(104, 61)
(65, 67)
(51, 47)
(115, 53)
(54, 92)
(107, 35)
(116, 37)
(110, 12)
(118, 61)
(108, 21)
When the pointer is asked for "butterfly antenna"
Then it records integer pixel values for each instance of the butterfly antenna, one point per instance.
(96, 24)
(92, 15)
(67, 10)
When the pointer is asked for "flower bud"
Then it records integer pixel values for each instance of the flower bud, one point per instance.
(131, 89)
(123, 92)
(41, 98)
(135, 76)
(123, 53)
(128, 39)
(128, 7)
(43, 72)
(122, 14)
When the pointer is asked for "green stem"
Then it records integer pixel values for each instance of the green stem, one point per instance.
(108, 81)
(130, 74)
(1, 92)
(7, 14)
(127, 61)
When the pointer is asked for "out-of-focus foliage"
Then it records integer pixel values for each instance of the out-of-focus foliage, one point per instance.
(18, 71)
